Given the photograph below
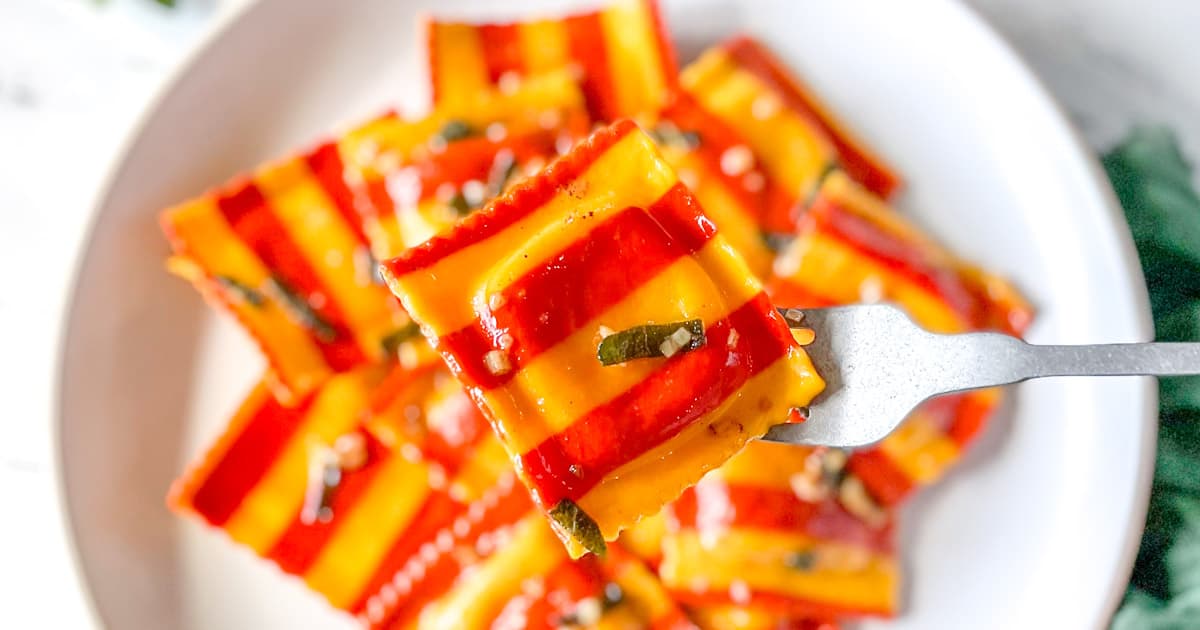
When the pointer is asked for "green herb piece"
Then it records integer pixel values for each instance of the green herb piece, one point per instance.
(243, 291)
(801, 560)
(651, 340)
(301, 311)
(167, 3)
(667, 134)
(455, 130)
(460, 205)
(391, 342)
(777, 241)
(830, 167)
(571, 520)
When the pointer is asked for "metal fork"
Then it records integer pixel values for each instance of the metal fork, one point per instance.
(878, 366)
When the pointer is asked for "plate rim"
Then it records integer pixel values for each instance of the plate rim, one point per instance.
(989, 36)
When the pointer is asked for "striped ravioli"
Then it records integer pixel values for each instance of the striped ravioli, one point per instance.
(621, 53)
(752, 534)
(432, 193)
(792, 138)
(500, 566)
(291, 250)
(393, 161)
(853, 248)
(252, 484)
(285, 251)
(515, 298)
(714, 160)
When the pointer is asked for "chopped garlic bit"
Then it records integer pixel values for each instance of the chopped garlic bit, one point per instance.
(732, 341)
(351, 450)
(587, 612)
(676, 342)
(497, 362)
(509, 82)
(474, 191)
(505, 341)
(871, 290)
(737, 160)
(605, 331)
(739, 592)
(387, 162)
(496, 132)
(496, 301)
(549, 119)
(563, 144)
(754, 181)
(445, 191)
(765, 106)
(853, 496)
(689, 178)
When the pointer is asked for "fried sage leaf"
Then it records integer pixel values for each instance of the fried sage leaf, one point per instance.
(455, 130)
(651, 340)
(576, 524)
(300, 310)
(243, 291)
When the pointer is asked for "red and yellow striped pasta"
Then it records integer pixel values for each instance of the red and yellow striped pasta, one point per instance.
(284, 251)
(852, 247)
(252, 484)
(291, 250)
(514, 297)
(395, 161)
(792, 139)
(745, 537)
(499, 566)
(432, 193)
(621, 53)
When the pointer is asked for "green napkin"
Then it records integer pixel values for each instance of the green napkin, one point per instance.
(1153, 182)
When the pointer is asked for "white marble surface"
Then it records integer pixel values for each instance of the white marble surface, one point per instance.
(75, 75)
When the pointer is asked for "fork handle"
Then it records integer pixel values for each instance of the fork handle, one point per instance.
(1116, 359)
(1011, 360)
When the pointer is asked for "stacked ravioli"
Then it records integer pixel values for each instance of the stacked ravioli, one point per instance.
(519, 349)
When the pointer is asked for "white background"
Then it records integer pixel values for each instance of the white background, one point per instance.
(76, 74)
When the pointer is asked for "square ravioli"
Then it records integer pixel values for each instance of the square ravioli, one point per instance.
(285, 252)
(521, 577)
(616, 342)
(853, 248)
(412, 177)
(291, 250)
(788, 138)
(621, 53)
(432, 193)
(769, 531)
(313, 491)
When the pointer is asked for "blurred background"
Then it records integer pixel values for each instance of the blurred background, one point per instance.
(76, 75)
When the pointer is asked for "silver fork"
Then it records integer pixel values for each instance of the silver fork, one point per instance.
(878, 365)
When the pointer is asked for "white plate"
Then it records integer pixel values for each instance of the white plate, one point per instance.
(1038, 529)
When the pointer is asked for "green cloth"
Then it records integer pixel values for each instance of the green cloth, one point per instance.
(1153, 182)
